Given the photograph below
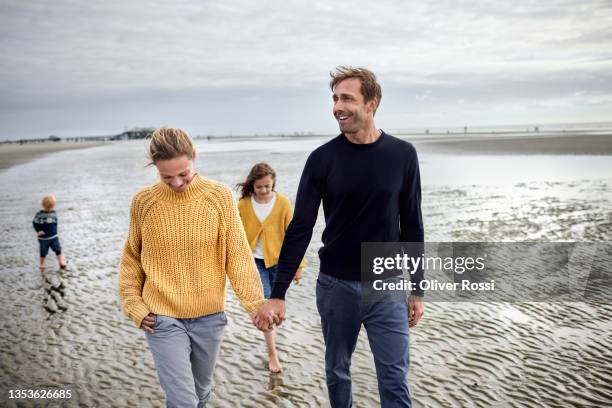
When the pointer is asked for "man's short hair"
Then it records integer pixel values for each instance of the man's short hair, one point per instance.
(370, 88)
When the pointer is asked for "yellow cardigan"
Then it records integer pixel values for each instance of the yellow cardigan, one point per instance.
(180, 249)
(271, 231)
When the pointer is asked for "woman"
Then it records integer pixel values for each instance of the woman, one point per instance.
(266, 214)
(185, 237)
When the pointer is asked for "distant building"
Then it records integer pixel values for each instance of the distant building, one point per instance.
(135, 133)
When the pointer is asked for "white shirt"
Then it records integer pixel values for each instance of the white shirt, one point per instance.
(261, 211)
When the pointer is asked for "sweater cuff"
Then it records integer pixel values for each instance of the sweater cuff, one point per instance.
(279, 290)
(418, 293)
(252, 308)
(138, 313)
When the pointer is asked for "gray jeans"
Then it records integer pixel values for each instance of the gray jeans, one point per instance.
(185, 352)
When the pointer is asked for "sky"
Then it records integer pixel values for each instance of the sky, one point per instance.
(75, 68)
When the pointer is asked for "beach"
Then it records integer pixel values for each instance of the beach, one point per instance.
(561, 143)
(65, 330)
(15, 153)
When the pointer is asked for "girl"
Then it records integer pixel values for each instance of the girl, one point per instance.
(266, 214)
(185, 239)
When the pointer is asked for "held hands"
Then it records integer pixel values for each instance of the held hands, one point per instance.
(269, 314)
(416, 308)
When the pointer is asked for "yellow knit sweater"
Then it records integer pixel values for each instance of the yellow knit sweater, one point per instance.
(271, 231)
(179, 250)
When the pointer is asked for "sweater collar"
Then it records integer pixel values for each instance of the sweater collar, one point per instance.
(195, 188)
(364, 146)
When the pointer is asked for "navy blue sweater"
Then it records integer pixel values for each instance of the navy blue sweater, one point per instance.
(47, 222)
(370, 192)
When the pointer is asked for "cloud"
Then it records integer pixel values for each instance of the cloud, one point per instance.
(59, 55)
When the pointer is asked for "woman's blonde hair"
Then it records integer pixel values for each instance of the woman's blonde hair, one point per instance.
(168, 143)
(258, 171)
(48, 202)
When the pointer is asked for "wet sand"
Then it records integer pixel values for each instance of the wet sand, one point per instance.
(13, 153)
(524, 144)
(66, 330)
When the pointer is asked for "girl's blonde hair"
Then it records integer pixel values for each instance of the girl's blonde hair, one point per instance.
(168, 143)
(258, 171)
(48, 202)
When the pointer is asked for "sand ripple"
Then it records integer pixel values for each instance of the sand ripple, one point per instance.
(65, 330)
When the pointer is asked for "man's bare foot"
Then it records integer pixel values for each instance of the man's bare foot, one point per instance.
(273, 364)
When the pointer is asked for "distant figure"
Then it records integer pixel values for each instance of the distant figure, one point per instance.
(45, 224)
(266, 214)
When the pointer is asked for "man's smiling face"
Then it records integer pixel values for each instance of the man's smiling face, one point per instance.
(350, 109)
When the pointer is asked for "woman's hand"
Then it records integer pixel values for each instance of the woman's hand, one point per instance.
(147, 323)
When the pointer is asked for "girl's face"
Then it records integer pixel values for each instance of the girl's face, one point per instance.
(176, 172)
(263, 188)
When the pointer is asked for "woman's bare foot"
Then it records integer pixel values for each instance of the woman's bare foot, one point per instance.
(274, 364)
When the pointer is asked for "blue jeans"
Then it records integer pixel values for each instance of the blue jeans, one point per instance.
(343, 309)
(267, 276)
(185, 352)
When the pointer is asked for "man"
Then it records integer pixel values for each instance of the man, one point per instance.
(370, 187)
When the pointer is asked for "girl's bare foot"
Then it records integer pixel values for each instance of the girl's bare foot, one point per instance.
(274, 364)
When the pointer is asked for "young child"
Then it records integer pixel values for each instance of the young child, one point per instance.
(45, 224)
(266, 214)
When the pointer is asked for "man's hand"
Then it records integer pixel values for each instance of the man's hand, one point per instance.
(298, 275)
(147, 323)
(416, 308)
(269, 314)
(41, 233)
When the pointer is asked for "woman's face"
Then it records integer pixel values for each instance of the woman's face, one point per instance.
(263, 188)
(176, 172)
